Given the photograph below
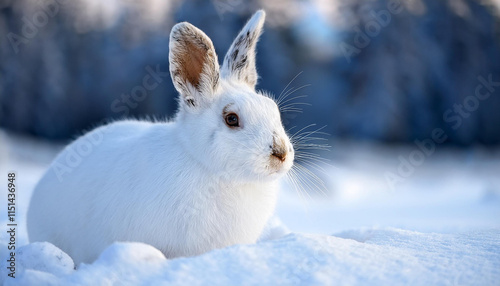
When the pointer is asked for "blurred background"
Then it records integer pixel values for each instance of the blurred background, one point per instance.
(382, 70)
(378, 74)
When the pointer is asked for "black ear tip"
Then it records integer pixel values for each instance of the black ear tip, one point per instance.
(259, 17)
(255, 24)
(260, 13)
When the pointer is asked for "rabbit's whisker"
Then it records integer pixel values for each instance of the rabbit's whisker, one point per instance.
(285, 98)
(283, 91)
(292, 178)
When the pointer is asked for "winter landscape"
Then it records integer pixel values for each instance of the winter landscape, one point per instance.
(439, 227)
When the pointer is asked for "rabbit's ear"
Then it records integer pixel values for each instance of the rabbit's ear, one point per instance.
(194, 67)
(239, 62)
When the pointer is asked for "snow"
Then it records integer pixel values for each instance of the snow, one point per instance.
(372, 256)
(439, 227)
(41, 256)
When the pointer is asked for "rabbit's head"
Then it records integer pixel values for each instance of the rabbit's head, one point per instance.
(227, 125)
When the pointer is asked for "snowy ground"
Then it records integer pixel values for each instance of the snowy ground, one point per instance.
(440, 226)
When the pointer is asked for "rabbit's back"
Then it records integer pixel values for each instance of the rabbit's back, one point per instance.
(99, 185)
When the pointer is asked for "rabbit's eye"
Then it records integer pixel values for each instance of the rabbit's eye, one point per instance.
(232, 120)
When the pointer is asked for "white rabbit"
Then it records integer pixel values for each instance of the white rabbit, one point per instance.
(206, 180)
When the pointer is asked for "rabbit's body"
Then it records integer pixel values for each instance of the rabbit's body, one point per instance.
(191, 210)
(206, 180)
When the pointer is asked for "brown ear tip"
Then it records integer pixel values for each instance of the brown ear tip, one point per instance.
(183, 24)
(181, 28)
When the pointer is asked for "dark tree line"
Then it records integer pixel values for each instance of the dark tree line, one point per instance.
(384, 69)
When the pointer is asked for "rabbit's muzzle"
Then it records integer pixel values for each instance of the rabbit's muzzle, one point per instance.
(279, 150)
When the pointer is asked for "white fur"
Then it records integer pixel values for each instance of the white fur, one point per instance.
(243, 49)
(185, 187)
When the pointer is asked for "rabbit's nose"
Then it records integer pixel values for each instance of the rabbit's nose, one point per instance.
(280, 155)
(279, 149)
